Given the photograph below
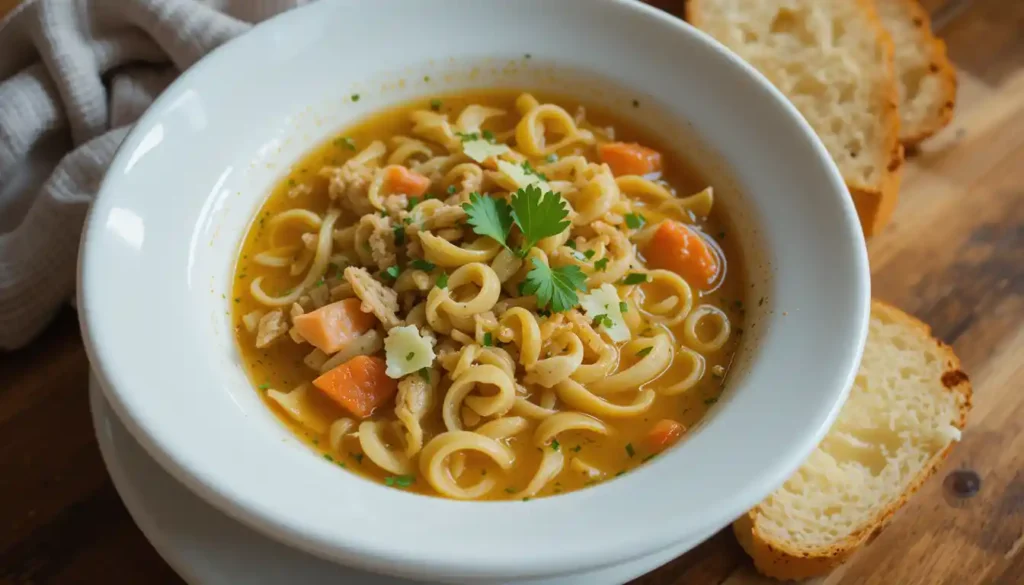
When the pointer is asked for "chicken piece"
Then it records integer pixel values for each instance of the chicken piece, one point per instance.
(445, 217)
(349, 184)
(415, 397)
(272, 325)
(381, 241)
(378, 299)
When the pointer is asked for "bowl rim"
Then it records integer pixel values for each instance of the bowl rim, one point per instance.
(222, 494)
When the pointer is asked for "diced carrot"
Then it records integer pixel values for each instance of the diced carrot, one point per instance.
(359, 385)
(680, 249)
(664, 434)
(401, 180)
(629, 158)
(332, 326)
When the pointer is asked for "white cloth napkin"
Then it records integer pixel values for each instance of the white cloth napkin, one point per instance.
(74, 76)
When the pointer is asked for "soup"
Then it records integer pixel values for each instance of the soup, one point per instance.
(489, 296)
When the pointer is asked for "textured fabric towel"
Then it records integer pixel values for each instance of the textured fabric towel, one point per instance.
(74, 76)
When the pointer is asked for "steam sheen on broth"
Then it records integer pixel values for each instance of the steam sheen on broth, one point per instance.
(489, 296)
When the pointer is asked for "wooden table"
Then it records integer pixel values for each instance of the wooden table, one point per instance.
(953, 256)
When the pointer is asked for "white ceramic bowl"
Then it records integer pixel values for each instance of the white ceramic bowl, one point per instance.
(158, 251)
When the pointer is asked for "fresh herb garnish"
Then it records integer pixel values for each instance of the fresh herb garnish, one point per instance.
(634, 278)
(489, 216)
(589, 254)
(425, 374)
(577, 448)
(392, 272)
(605, 320)
(538, 214)
(442, 281)
(422, 265)
(643, 352)
(509, 490)
(571, 244)
(451, 189)
(402, 481)
(629, 449)
(623, 307)
(435, 104)
(467, 136)
(555, 445)
(263, 386)
(355, 97)
(601, 264)
(635, 221)
(345, 142)
(410, 355)
(399, 232)
(555, 287)
(413, 202)
(488, 136)
(488, 339)
(529, 170)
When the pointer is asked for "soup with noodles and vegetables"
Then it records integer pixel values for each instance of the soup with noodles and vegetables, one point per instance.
(487, 296)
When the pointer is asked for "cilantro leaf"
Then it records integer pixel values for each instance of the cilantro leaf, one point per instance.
(489, 217)
(422, 265)
(442, 281)
(538, 214)
(635, 221)
(555, 287)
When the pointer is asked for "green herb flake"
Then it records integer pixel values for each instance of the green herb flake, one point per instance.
(399, 232)
(442, 281)
(623, 307)
(555, 445)
(451, 189)
(509, 490)
(571, 244)
(629, 449)
(468, 136)
(635, 221)
(529, 170)
(643, 352)
(423, 265)
(328, 457)
(410, 355)
(345, 142)
(263, 386)
(425, 374)
(238, 299)
(413, 202)
(577, 448)
(392, 272)
(601, 265)
(358, 457)
(401, 481)
(634, 278)
(488, 339)
(435, 105)
(589, 254)
(526, 499)
(488, 136)
(355, 97)
(426, 78)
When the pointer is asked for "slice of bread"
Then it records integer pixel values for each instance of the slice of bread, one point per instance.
(927, 80)
(834, 61)
(906, 409)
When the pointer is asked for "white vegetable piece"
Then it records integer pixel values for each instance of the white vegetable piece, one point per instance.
(406, 351)
(605, 300)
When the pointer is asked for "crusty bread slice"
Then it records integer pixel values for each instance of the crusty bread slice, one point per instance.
(834, 61)
(907, 407)
(927, 80)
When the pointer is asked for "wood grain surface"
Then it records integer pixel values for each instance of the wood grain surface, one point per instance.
(953, 256)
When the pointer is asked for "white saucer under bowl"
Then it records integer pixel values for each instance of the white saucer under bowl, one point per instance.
(206, 547)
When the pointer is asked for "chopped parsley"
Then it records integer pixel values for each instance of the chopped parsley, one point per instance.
(425, 374)
(634, 278)
(529, 170)
(426, 78)
(399, 232)
(402, 481)
(410, 355)
(635, 221)
(571, 244)
(263, 386)
(629, 449)
(392, 272)
(509, 490)
(345, 142)
(442, 281)
(355, 97)
(488, 339)
(555, 445)
(451, 189)
(422, 265)
(467, 136)
(577, 448)
(358, 457)
(488, 136)
(643, 352)
(623, 307)
(435, 104)
(589, 254)
(413, 202)
(601, 264)
(605, 320)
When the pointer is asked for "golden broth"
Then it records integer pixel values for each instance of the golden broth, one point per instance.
(281, 364)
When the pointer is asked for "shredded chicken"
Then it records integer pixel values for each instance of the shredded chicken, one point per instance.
(349, 185)
(381, 241)
(415, 397)
(272, 325)
(377, 298)
(396, 204)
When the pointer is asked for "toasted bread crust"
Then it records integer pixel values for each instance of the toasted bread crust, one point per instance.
(941, 67)
(781, 560)
(874, 203)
